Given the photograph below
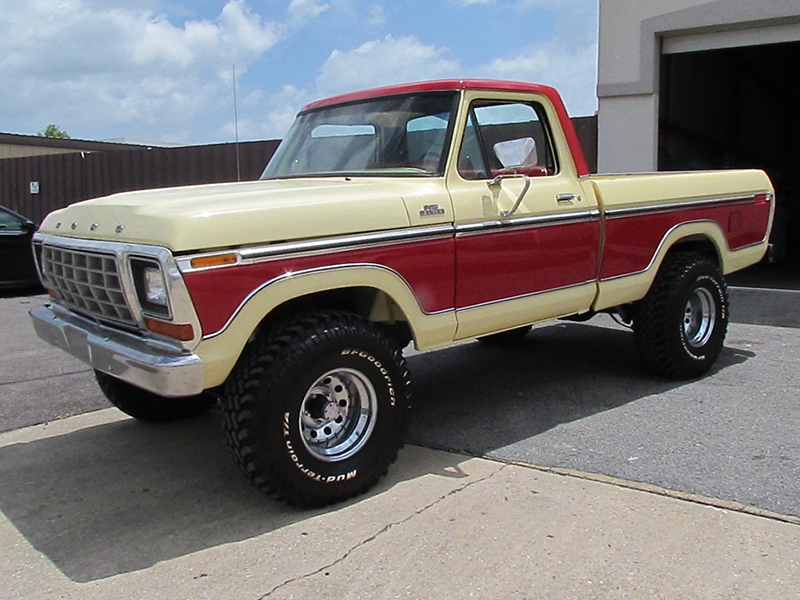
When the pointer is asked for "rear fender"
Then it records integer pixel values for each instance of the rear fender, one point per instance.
(708, 235)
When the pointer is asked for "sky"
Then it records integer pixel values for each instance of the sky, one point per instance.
(162, 70)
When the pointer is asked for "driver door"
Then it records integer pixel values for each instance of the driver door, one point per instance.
(527, 237)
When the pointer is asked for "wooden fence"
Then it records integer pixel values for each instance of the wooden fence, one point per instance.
(36, 185)
(61, 179)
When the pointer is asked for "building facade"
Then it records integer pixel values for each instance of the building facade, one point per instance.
(698, 84)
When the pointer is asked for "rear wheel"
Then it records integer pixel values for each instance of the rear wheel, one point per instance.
(147, 406)
(680, 326)
(316, 408)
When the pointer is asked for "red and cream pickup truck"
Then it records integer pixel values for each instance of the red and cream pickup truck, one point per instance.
(431, 212)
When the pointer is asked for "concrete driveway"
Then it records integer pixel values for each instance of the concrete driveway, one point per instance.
(569, 395)
(639, 487)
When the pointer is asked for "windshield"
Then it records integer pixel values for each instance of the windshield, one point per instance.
(399, 135)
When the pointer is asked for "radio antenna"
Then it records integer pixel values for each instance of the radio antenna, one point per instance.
(236, 126)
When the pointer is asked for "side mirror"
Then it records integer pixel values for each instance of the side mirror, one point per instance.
(29, 227)
(517, 153)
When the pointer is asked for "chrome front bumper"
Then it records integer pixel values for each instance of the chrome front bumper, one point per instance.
(154, 366)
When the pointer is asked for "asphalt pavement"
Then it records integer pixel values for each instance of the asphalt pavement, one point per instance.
(574, 396)
(569, 395)
(38, 383)
(595, 480)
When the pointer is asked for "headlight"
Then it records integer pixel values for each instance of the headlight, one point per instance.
(155, 290)
(151, 287)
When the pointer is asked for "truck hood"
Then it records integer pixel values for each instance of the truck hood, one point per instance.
(237, 214)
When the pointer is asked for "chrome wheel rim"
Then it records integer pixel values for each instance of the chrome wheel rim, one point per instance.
(338, 414)
(699, 317)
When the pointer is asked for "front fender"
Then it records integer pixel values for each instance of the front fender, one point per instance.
(220, 350)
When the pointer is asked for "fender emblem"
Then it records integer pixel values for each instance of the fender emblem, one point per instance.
(431, 210)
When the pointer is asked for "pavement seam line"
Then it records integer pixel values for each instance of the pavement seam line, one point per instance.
(657, 490)
(385, 529)
(46, 377)
(649, 488)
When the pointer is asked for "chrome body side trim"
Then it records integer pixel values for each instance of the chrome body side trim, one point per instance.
(344, 243)
(583, 216)
(524, 296)
(614, 213)
(159, 367)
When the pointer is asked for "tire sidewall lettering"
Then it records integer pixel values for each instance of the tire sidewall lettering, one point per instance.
(282, 390)
(349, 469)
(308, 472)
(699, 353)
(685, 281)
(384, 372)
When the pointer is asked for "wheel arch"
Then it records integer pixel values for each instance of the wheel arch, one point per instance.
(704, 237)
(698, 244)
(376, 293)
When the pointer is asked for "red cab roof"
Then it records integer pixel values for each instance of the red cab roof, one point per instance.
(445, 85)
(442, 85)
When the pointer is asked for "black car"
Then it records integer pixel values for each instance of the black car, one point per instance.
(17, 268)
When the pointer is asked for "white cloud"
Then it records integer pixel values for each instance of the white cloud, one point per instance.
(301, 11)
(384, 61)
(306, 8)
(66, 61)
(102, 69)
(394, 60)
(377, 16)
(572, 73)
(523, 67)
(275, 113)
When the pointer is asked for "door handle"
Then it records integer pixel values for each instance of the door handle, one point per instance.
(567, 198)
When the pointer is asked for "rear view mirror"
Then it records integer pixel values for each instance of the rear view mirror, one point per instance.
(517, 153)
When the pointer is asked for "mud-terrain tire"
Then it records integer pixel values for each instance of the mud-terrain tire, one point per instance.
(147, 406)
(316, 408)
(680, 325)
(506, 338)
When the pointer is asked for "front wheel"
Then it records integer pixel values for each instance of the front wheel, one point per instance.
(316, 408)
(147, 406)
(680, 326)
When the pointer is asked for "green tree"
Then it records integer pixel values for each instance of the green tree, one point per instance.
(54, 131)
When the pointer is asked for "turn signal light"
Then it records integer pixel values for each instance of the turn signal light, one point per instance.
(183, 333)
(213, 261)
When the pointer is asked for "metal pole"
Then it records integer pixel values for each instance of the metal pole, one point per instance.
(236, 126)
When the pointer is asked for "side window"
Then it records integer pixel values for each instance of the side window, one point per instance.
(9, 222)
(510, 137)
(470, 160)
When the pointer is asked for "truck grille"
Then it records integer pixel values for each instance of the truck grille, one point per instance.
(87, 282)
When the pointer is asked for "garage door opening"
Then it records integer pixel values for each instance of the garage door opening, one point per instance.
(738, 108)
